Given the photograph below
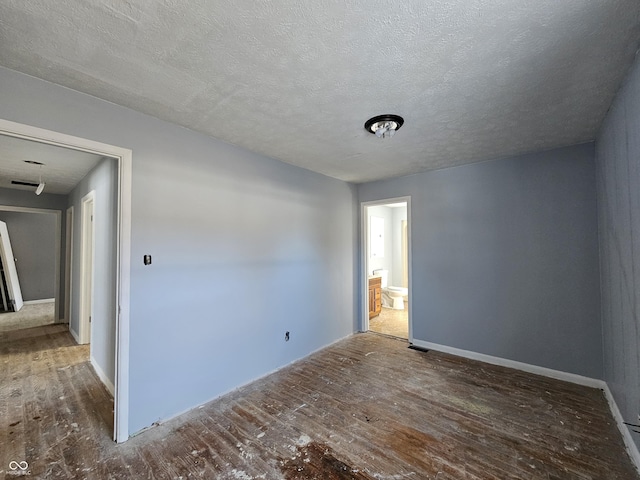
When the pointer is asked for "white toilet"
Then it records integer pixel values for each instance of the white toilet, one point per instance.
(392, 297)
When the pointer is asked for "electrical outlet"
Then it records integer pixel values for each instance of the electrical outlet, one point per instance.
(286, 336)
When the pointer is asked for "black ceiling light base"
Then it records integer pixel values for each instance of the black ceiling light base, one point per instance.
(383, 125)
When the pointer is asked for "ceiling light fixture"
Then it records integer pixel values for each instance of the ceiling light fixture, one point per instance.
(383, 126)
(40, 188)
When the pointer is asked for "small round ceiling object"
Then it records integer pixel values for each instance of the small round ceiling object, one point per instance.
(384, 125)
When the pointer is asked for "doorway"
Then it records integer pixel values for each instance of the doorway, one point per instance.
(35, 235)
(122, 209)
(386, 272)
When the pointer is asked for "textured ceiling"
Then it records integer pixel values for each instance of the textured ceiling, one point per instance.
(62, 170)
(474, 79)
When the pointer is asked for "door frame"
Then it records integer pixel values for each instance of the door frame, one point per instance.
(87, 256)
(68, 263)
(123, 254)
(11, 280)
(364, 260)
(57, 243)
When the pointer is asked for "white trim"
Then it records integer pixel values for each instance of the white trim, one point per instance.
(87, 257)
(74, 334)
(630, 445)
(12, 208)
(58, 265)
(123, 298)
(364, 257)
(57, 243)
(68, 263)
(503, 362)
(228, 392)
(101, 375)
(632, 448)
(42, 300)
(124, 157)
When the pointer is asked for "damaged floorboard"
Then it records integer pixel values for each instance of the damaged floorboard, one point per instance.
(365, 408)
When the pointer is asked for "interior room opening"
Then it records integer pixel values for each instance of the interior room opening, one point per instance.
(29, 266)
(387, 265)
(70, 172)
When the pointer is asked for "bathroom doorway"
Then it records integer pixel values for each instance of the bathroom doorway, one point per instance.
(386, 238)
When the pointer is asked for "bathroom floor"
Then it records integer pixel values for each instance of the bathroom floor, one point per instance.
(391, 322)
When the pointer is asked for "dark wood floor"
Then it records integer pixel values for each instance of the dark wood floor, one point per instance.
(365, 408)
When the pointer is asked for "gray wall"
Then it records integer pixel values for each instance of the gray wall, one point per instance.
(505, 257)
(244, 248)
(103, 181)
(618, 173)
(33, 241)
(23, 198)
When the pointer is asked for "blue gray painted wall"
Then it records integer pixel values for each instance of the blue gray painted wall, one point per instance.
(103, 182)
(505, 257)
(47, 201)
(25, 198)
(244, 248)
(33, 241)
(618, 173)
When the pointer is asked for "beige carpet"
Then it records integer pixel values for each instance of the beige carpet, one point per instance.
(29, 316)
(391, 322)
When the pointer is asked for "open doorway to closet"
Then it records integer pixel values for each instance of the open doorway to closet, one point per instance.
(387, 267)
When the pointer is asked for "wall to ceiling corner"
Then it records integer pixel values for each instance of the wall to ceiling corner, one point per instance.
(244, 248)
(618, 174)
(505, 257)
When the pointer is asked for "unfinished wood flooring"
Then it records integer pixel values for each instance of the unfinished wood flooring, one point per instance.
(365, 408)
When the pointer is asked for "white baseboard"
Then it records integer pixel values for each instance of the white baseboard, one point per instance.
(74, 334)
(160, 421)
(42, 300)
(632, 449)
(103, 376)
(503, 362)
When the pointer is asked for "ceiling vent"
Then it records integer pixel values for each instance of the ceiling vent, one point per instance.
(25, 184)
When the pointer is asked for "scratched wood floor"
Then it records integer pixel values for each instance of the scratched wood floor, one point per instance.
(365, 408)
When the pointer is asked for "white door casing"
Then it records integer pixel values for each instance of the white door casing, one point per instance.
(364, 256)
(68, 276)
(86, 266)
(10, 271)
